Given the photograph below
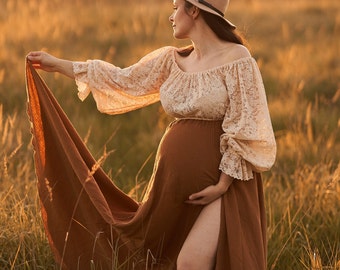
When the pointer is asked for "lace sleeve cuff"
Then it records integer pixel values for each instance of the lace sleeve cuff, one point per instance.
(80, 74)
(235, 166)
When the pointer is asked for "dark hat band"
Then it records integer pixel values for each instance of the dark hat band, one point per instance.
(211, 7)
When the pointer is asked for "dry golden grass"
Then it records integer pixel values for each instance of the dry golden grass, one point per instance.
(297, 46)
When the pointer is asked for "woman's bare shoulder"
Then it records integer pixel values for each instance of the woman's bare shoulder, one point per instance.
(236, 52)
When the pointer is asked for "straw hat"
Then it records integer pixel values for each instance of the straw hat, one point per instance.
(216, 7)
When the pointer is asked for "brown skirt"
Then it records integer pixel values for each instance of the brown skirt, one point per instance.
(91, 223)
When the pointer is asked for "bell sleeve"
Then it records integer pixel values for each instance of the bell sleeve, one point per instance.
(248, 142)
(119, 90)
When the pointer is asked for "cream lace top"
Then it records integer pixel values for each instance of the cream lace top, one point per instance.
(233, 92)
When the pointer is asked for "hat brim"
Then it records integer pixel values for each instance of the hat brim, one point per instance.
(207, 9)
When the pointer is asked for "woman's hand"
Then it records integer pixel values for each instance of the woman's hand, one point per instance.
(43, 60)
(49, 63)
(212, 192)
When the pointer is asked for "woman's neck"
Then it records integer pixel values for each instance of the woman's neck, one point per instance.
(208, 48)
(205, 42)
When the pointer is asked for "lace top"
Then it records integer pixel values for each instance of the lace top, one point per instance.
(233, 92)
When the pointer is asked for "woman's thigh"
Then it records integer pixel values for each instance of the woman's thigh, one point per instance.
(199, 249)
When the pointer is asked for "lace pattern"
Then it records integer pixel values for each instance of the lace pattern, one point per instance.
(233, 92)
(119, 90)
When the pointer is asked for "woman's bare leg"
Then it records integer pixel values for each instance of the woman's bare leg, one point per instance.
(199, 249)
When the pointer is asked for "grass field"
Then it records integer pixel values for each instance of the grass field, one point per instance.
(297, 46)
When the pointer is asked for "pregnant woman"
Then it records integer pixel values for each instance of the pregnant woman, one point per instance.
(204, 206)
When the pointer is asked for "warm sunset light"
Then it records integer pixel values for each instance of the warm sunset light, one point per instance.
(296, 45)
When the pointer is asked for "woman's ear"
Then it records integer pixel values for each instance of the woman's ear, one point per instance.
(195, 11)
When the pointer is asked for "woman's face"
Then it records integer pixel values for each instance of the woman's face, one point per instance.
(181, 20)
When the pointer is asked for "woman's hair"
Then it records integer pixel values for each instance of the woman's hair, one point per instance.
(219, 26)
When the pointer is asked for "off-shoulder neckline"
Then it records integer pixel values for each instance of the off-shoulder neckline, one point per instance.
(209, 70)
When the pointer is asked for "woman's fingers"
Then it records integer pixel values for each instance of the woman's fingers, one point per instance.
(196, 196)
(34, 56)
(42, 60)
(204, 196)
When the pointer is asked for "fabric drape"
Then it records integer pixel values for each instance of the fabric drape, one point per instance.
(76, 195)
(91, 224)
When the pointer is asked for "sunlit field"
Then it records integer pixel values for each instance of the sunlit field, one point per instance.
(297, 46)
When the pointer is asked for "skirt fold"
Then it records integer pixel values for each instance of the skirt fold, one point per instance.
(90, 223)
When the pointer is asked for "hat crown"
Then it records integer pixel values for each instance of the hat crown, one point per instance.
(216, 7)
(213, 6)
(221, 5)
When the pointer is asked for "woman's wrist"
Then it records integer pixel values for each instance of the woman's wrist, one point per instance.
(65, 67)
(224, 182)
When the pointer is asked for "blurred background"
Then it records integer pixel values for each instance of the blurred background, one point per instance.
(297, 46)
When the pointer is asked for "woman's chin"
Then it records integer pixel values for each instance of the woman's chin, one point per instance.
(178, 36)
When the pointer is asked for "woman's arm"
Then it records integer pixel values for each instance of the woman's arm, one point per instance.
(47, 62)
(115, 90)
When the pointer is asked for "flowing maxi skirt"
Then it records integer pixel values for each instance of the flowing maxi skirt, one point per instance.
(91, 224)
